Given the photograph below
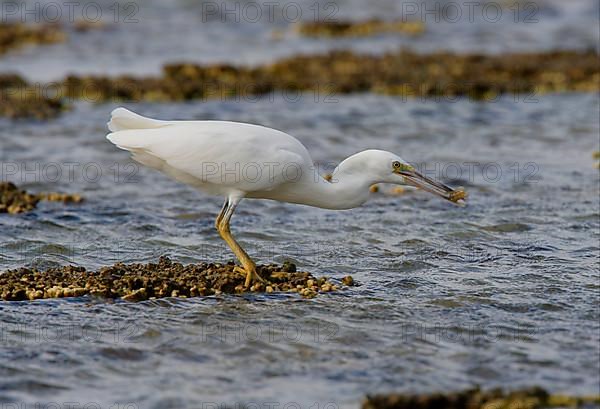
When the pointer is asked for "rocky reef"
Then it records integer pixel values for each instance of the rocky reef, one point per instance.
(138, 282)
(15, 35)
(531, 398)
(403, 73)
(19, 99)
(14, 200)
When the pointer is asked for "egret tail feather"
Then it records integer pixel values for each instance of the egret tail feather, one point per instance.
(122, 119)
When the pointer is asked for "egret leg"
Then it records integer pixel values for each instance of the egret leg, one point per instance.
(222, 225)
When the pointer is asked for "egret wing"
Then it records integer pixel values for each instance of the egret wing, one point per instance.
(226, 154)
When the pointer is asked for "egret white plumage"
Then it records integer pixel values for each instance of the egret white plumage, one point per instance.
(239, 160)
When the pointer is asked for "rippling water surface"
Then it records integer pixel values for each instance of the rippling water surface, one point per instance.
(503, 292)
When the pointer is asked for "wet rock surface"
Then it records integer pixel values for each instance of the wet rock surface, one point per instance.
(14, 200)
(138, 282)
(532, 398)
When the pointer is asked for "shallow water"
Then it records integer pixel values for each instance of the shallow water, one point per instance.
(503, 292)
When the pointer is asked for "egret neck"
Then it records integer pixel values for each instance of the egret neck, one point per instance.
(348, 187)
(344, 191)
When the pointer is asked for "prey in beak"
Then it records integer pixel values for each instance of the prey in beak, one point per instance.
(414, 178)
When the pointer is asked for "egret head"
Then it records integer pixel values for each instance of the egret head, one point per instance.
(386, 167)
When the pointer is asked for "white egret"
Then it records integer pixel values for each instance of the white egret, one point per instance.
(239, 160)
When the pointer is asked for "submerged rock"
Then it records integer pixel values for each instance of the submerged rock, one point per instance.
(360, 28)
(61, 197)
(137, 282)
(84, 25)
(14, 200)
(348, 280)
(531, 398)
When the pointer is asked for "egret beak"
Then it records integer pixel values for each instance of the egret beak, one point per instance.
(414, 178)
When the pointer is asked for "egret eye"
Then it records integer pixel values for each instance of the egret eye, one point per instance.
(397, 165)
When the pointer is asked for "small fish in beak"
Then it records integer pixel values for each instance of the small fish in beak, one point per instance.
(414, 178)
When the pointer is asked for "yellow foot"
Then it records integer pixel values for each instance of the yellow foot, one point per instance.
(251, 276)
